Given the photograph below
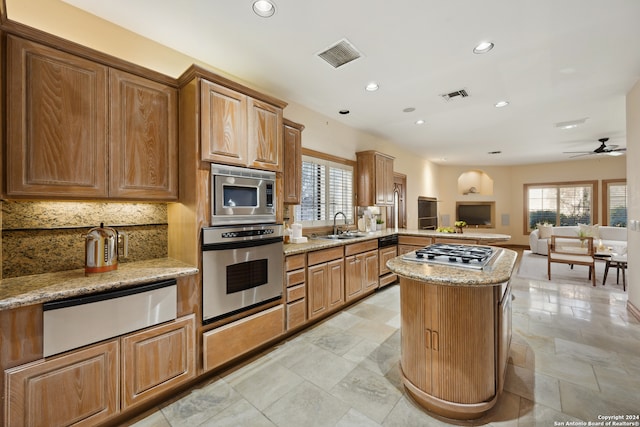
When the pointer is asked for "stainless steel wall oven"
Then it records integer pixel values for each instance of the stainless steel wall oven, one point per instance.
(242, 267)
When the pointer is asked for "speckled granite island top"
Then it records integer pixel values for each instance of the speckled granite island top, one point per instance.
(456, 276)
(40, 288)
(314, 244)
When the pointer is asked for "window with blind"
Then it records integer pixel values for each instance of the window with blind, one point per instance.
(560, 204)
(615, 199)
(327, 188)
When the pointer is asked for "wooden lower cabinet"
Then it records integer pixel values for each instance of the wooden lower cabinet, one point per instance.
(449, 347)
(79, 388)
(361, 273)
(157, 359)
(384, 255)
(223, 344)
(325, 284)
(296, 290)
(92, 384)
(361, 268)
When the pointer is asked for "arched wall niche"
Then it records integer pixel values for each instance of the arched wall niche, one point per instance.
(475, 182)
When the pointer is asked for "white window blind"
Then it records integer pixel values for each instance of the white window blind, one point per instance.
(327, 188)
(617, 204)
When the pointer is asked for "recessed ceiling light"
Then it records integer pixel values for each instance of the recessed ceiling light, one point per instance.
(483, 47)
(344, 112)
(420, 122)
(571, 124)
(501, 104)
(372, 87)
(264, 8)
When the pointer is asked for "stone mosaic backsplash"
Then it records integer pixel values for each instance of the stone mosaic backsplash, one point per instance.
(45, 237)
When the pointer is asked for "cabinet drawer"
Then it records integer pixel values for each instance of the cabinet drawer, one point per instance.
(76, 322)
(415, 240)
(224, 344)
(388, 279)
(293, 262)
(356, 248)
(296, 314)
(325, 255)
(296, 292)
(295, 277)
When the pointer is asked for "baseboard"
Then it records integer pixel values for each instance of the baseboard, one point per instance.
(633, 310)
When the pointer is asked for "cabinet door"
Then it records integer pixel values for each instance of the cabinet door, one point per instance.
(223, 121)
(317, 296)
(80, 388)
(370, 270)
(57, 123)
(335, 272)
(384, 180)
(292, 165)
(381, 180)
(353, 277)
(157, 359)
(265, 135)
(143, 138)
(387, 254)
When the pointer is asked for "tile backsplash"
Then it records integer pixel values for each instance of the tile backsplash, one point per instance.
(44, 237)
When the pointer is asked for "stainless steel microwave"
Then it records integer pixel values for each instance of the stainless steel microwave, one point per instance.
(242, 195)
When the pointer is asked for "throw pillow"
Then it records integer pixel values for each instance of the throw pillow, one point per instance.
(545, 231)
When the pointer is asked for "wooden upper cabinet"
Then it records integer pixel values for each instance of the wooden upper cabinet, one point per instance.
(143, 137)
(223, 124)
(292, 162)
(238, 128)
(375, 179)
(265, 135)
(57, 123)
(79, 129)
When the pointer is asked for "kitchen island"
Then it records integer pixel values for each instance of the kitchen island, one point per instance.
(456, 333)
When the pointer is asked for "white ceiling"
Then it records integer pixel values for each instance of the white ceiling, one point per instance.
(554, 61)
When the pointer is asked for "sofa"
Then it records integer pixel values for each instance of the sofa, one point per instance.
(610, 237)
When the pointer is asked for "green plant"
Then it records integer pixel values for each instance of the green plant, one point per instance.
(460, 224)
(379, 221)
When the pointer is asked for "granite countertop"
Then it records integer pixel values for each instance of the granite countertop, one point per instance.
(314, 244)
(41, 288)
(446, 275)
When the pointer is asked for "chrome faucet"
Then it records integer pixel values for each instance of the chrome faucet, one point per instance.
(335, 228)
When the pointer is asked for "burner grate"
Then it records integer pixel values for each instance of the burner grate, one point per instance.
(468, 256)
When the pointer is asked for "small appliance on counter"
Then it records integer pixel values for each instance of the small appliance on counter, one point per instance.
(296, 233)
(101, 249)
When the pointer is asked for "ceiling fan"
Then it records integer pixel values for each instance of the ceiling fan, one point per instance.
(610, 150)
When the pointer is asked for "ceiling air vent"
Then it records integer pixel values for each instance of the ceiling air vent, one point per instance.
(462, 93)
(340, 53)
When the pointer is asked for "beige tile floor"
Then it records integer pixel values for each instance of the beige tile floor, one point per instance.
(575, 356)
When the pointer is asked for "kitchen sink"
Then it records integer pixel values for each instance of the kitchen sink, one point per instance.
(343, 236)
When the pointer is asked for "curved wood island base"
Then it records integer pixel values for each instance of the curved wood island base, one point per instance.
(456, 332)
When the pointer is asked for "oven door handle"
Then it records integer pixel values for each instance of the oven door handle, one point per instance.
(241, 244)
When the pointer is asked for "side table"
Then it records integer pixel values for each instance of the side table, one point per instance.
(620, 263)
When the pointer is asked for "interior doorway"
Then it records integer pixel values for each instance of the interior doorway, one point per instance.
(397, 214)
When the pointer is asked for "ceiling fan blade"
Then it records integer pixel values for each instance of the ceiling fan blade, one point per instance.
(583, 154)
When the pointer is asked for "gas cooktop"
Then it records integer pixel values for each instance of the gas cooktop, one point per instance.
(455, 255)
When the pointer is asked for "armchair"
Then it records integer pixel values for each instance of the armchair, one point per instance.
(572, 250)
